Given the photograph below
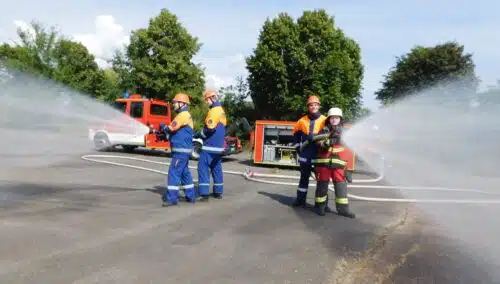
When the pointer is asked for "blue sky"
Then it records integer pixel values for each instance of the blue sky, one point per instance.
(229, 29)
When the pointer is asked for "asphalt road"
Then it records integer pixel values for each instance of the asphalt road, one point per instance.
(82, 222)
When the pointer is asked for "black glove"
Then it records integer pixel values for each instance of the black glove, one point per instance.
(161, 136)
(197, 135)
(327, 143)
(335, 131)
(162, 127)
(348, 176)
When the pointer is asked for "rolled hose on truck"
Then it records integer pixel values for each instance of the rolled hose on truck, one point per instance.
(258, 177)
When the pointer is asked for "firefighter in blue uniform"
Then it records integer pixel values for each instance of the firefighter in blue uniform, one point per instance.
(210, 160)
(305, 128)
(180, 134)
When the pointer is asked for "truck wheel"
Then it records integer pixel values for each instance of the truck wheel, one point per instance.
(128, 148)
(195, 155)
(101, 142)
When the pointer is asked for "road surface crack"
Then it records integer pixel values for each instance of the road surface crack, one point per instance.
(377, 264)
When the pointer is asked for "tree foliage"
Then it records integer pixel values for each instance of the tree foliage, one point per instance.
(40, 43)
(235, 101)
(160, 59)
(76, 68)
(42, 51)
(157, 62)
(295, 59)
(122, 68)
(424, 67)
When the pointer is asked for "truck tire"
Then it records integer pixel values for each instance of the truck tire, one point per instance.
(195, 155)
(101, 142)
(129, 148)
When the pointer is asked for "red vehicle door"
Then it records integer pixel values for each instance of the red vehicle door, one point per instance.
(158, 112)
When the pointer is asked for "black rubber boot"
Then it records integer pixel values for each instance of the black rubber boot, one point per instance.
(347, 214)
(341, 201)
(203, 198)
(327, 208)
(300, 201)
(321, 209)
(168, 204)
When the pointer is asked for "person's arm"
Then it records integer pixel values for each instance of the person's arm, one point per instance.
(211, 121)
(179, 121)
(297, 135)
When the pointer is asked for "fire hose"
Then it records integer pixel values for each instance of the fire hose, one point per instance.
(259, 177)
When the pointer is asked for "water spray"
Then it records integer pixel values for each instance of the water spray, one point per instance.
(445, 136)
(44, 123)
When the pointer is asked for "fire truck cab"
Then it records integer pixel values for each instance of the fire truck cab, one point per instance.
(151, 113)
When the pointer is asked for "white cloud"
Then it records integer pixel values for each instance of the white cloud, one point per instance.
(110, 35)
(222, 71)
(215, 82)
(106, 38)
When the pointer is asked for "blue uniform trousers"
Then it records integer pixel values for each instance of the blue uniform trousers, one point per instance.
(305, 174)
(210, 162)
(179, 177)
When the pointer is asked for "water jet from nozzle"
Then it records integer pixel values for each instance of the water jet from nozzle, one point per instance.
(44, 123)
(445, 136)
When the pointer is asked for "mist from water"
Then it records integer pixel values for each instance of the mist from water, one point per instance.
(43, 123)
(445, 137)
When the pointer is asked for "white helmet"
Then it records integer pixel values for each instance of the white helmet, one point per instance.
(335, 111)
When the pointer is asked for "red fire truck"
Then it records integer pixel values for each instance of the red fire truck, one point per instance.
(150, 112)
(272, 144)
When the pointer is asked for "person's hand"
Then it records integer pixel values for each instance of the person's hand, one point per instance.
(348, 176)
(327, 143)
(162, 126)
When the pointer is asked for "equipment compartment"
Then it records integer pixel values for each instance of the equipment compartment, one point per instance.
(278, 145)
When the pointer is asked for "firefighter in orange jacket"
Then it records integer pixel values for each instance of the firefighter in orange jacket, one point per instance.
(330, 163)
(305, 128)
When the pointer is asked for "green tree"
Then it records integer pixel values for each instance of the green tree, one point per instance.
(40, 43)
(16, 58)
(424, 67)
(33, 54)
(76, 68)
(160, 59)
(42, 51)
(111, 88)
(235, 99)
(294, 60)
(123, 68)
(236, 103)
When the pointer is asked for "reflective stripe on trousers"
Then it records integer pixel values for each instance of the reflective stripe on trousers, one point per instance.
(182, 150)
(212, 149)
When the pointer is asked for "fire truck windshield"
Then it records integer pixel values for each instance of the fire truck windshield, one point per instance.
(121, 106)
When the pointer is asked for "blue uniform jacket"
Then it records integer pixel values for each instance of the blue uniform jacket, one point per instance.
(181, 132)
(214, 131)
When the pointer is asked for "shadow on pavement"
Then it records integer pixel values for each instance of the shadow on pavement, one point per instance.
(158, 189)
(353, 237)
(439, 259)
(72, 197)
